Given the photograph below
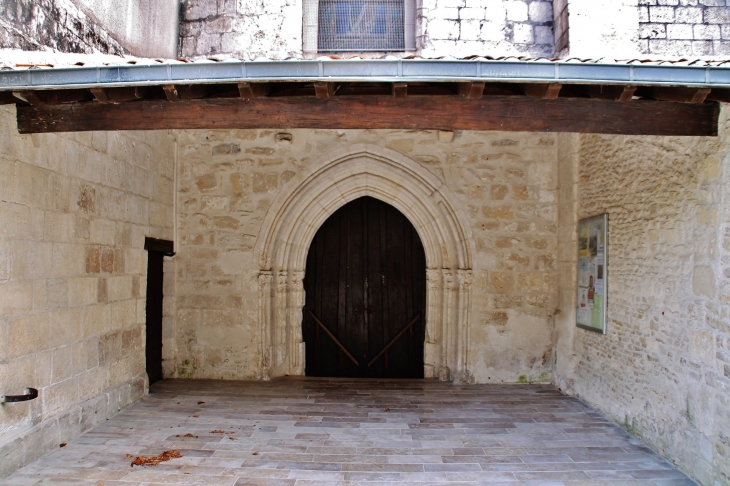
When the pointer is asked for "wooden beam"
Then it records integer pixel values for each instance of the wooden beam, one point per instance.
(505, 113)
(324, 91)
(547, 91)
(473, 90)
(613, 93)
(676, 94)
(120, 95)
(400, 90)
(719, 94)
(171, 92)
(33, 98)
(180, 92)
(249, 91)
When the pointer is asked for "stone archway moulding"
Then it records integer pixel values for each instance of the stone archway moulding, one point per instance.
(290, 226)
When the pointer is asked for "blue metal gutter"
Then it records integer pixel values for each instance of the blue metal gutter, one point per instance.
(416, 70)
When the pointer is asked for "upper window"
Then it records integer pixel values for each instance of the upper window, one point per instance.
(359, 25)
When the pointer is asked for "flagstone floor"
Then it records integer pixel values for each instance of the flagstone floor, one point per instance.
(346, 432)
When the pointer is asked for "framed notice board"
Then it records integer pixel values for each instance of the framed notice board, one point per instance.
(592, 273)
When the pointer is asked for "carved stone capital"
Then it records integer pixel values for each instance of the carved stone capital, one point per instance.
(265, 278)
(466, 277)
(433, 278)
(281, 281)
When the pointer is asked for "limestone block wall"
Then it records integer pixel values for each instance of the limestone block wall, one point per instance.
(483, 27)
(53, 24)
(663, 369)
(74, 212)
(247, 29)
(505, 190)
(700, 28)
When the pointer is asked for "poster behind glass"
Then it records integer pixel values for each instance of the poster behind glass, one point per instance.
(592, 273)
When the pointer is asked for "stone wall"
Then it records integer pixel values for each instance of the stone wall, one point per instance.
(145, 28)
(504, 188)
(663, 368)
(486, 28)
(248, 29)
(698, 27)
(74, 212)
(52, 24)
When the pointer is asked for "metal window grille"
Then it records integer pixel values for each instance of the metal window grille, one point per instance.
(360, 25)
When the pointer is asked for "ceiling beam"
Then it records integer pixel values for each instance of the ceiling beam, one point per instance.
(546, 91)
(473, 90)
(400, 90)
(676, 94)
(613, 93)
(180, 92)
(120, 95)
(324, 91)
(249, 91)
(505, 113)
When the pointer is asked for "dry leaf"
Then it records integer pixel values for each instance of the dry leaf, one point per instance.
(255, 453)
(387, 409)
(195, 416)
(63, 444)
(233, 438)
(155, 460)
(218, 431)
(130, 455)
(200, 403)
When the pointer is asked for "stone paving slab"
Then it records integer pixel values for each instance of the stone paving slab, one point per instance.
(296, 432)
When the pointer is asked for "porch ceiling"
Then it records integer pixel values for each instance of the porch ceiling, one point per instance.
(541, 96)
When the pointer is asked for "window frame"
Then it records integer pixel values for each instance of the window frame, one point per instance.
(310, 29)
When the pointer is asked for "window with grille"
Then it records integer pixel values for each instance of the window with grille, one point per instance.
(359, 25)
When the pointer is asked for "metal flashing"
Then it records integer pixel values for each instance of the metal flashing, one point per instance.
(381, 70)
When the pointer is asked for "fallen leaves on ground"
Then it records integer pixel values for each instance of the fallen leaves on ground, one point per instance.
(217, 431)
(387, 409)
(255, 454)
(130, 455)
(200, 403)
(155, 460)
(63, 444)
(190, 435)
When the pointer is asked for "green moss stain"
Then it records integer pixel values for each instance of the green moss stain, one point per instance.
(543, 377)
(186, 370)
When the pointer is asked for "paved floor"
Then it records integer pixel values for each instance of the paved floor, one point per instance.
(327, 432)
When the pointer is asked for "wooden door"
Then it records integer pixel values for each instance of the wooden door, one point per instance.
(365, 286)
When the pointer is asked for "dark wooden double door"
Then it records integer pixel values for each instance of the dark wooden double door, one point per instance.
(365, 286)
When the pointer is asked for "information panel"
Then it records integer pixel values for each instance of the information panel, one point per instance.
(592, 273)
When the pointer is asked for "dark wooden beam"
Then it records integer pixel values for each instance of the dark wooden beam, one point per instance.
(120, 95)
(719, 94)
(180, 92)
(613, 93)
(506, 113)
(474, 90)
(34, 98)
(324, 91)
(7, 98)
(676, 94)
(547, 91)
(400, 90)
(249, 91)
(171, 92)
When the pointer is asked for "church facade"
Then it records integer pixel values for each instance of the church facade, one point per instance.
(304, 245)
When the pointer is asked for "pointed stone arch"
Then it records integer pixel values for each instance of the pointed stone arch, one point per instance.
(292, 222)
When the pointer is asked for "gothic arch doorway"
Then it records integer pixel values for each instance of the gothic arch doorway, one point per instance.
(316, 194)
(365, 288)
